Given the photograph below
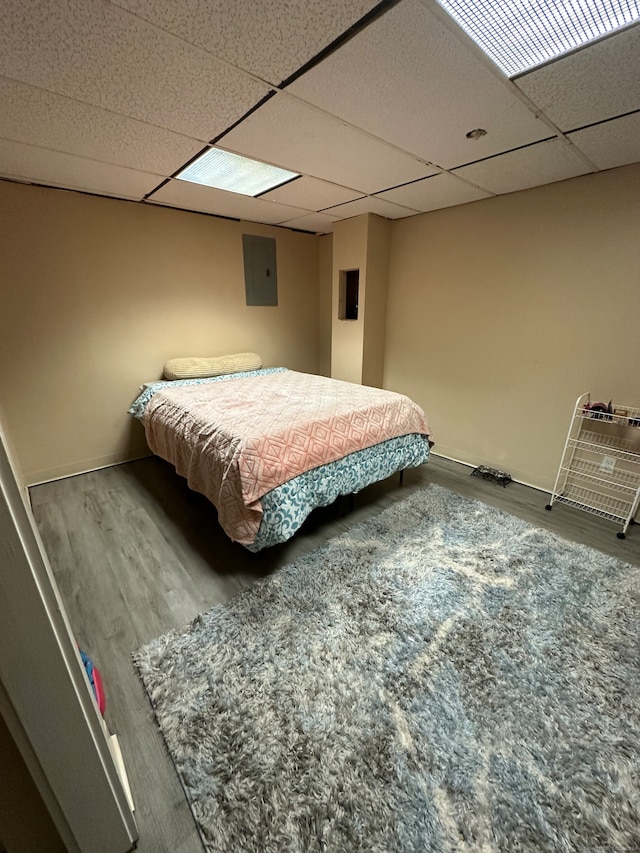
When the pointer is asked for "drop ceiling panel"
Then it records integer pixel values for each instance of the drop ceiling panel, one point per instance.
(289, 133)
(613, 143)
(52, 121)
(39, 165)
(371, 204)
(442, 190)
(134, 88)
(271, 39)
(598, 82)
(100, 54)
(311, 193)
(409, 80)
(543, 163)
(208, 200)
(318, 223)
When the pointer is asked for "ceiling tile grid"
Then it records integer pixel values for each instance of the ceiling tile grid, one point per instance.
(593, 84)
(53, 121)
(439, 191)
(269, 39)
(408, 80)
(99, 54)
(542, 163)
(319, 223)
(222, 203)
(315, 143)
(115, 97)
(612, 143)
(53, 168)
(371, 204)
(311, 193)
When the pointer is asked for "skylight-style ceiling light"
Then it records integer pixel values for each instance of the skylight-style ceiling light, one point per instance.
(521, 34)
(226, 171)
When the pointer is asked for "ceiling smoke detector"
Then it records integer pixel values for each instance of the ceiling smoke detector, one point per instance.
(478, 133)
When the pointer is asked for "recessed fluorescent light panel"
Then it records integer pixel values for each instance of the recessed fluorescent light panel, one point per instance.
(521, 34)
(226, 171)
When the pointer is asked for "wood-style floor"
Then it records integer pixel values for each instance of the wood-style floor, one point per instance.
(135, 553)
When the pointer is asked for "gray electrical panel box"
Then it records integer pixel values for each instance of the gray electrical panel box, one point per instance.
(260, 273)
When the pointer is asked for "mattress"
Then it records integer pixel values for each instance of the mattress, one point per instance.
(268, 446)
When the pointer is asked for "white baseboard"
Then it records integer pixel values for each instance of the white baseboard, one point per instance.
(38, 478)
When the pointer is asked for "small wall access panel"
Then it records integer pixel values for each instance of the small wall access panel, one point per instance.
(260, 274)
(349, 294)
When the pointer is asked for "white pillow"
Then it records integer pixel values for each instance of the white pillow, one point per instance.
(196, 368)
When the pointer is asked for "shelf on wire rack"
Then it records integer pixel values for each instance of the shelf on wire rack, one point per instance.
(597, 443)
(609, 507)
(592, 472)
(629, 416)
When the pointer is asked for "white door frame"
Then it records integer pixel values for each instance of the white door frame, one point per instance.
(45, 697)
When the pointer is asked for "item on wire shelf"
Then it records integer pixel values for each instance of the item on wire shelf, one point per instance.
(492, 474)
(600, 411)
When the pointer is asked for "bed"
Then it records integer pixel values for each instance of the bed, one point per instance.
(268, 446)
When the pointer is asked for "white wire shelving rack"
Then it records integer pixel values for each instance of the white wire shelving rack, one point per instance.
(600, 467)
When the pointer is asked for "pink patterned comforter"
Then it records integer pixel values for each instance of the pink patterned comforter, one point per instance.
(236, 440)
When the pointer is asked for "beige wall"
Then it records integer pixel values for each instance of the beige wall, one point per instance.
(347, 336)
(502, 312)
(325, 249)
(375, 300)
(357, 346)
(97, 294)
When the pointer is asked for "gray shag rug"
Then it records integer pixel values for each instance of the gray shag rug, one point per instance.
(443, 677)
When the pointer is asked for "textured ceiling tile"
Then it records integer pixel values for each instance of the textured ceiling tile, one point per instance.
(98, 53)
(598, 82)
(208, 200)
(271, 39)
(539, 164)
(377, 205)
(289, 133)
(137, 95)
(414, 84)
(53, 121)
(311, 193)
(38, 165)
(433, 193)
(318, 223)
(614, 143)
